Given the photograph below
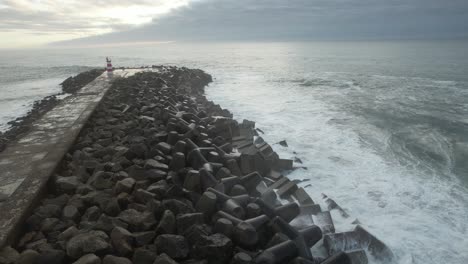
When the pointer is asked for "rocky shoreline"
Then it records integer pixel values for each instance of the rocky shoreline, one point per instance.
(21, 125)
(162, 175)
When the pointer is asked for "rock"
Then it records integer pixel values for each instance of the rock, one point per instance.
(101, 180)
(28, 257)
(92, 214)
(109, 259)
(178, 207)
(68, 233)
(216, 248)
(52, 256)
(164, 259)
(91, 242)
(70, 212)
(121, 240)
(106, 223)
(167, 224)
(49, 211)
(88, 259)
(125, 185)
(136, 151)
(144, 256)
(112, 208)
(224, 226)
(174, 246)
(67, 184)
(241, 258)
(184, 221)
(153, 164)
(164, 148)
(283, 143)
(49, 225)
(143, 196)
(137, 221)
(144, 238)
(8, 255)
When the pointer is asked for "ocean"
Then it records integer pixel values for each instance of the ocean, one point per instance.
(381, 127)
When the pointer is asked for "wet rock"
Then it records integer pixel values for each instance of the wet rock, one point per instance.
(91, 242)
(175, 246)
(283, 143)
(88, 259)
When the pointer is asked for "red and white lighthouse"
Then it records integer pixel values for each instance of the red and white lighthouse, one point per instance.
(109, 67)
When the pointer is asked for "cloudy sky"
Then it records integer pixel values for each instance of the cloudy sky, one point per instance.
(35, 22)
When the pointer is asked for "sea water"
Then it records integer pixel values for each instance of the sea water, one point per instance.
(380, 127)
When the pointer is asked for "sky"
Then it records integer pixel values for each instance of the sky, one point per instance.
(25, 23)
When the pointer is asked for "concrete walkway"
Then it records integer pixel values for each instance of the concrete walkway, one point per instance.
(26, 166)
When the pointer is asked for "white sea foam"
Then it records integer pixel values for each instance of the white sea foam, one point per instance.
(420, 216)
(18, 98)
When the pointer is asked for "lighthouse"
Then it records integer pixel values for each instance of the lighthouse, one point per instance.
(109, 69)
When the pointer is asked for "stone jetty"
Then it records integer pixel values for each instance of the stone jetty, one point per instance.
(161, 175)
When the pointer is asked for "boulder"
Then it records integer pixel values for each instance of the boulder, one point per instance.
(167, 224)
(216, 248)
(8, 255)
(91, 242)
(121, 240)
(143, 238)
(164, 259)
(28, 257)
(66, 184)
(125, 185)
(88, 259)
(70, 212)
(52, 256)
(174, 246)
(109, 259)
(143, 256)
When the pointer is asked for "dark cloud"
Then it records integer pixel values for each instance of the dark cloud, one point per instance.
(302, 20)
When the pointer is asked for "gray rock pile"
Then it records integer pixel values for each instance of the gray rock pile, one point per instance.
(74, 83)
(162, 175)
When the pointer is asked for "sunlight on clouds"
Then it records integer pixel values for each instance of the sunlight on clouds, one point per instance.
(42, 21)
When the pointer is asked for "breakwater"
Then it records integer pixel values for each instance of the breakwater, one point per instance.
(160, 174)
(21, 125)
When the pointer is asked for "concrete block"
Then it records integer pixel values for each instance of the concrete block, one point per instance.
(324, 221)
(287, 189)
